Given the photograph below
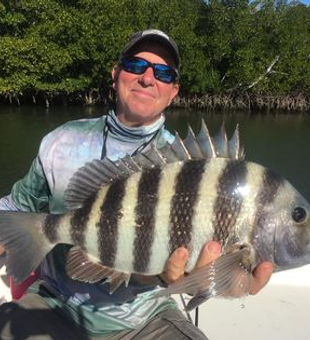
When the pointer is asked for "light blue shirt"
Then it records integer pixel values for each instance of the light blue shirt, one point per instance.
(61, 153)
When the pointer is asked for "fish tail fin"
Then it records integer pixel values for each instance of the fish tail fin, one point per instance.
(22, 237)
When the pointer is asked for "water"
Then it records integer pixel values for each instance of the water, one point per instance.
(21, 130)
(280, 142)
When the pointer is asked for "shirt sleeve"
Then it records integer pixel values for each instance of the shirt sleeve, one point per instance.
(30, 193)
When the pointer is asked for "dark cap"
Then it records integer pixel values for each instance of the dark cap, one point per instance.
(156, 36)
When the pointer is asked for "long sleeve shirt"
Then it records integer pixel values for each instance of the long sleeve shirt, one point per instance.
(61, 153)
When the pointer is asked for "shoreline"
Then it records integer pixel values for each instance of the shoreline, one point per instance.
(249, 102)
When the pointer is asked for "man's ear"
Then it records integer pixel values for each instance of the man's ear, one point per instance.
(174, 92)
(115, 74)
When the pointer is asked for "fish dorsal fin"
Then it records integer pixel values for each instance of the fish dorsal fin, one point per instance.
(88, 179)
(235, 149)
(220, 143)
(192, 144)
(153, 156)
(205, 146)
(179, 149)
(205, 142)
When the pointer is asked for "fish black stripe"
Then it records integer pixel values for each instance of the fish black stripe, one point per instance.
(270, 186)
(145, 218)
(50, 227)
(111, 212)
(79, 222)
(228, 203)
(183, 203)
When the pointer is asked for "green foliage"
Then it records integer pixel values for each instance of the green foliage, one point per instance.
(54, 46)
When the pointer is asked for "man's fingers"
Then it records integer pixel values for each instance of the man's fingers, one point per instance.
(210, 252)
(261, 276)
(175, 265)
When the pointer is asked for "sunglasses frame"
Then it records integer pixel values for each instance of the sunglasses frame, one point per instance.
(174, 74)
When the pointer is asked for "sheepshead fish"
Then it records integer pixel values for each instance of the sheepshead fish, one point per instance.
(128, 217)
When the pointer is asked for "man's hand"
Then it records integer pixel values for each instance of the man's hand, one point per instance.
(261, 276)
(176, 265)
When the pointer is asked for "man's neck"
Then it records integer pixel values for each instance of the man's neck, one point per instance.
(132, 121)
(118, 127)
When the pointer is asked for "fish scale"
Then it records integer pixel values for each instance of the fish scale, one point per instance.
(111, 211)
(79, 222)
(51, 227)
(228, 203)
(145, 218)
(166, 188)
(126, 225)
(183, 203)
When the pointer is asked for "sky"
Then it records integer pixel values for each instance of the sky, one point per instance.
(306, 2)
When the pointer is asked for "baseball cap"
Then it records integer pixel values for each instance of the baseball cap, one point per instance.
(153, 35)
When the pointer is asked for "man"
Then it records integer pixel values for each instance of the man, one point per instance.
(57, 307)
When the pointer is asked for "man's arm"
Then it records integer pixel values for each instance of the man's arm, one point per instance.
(211, 251)
(28, 194)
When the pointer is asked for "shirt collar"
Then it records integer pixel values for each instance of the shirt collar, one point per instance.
(123, 131)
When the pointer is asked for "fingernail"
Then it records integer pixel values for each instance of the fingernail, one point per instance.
(182, 253)
(214, 248)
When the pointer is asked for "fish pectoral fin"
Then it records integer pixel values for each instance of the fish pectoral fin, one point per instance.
(82, 267)
(229, 276)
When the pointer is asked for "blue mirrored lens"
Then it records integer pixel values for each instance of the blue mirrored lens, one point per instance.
(164, 73)
(136, 65)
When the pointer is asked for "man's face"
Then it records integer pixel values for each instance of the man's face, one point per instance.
(141, 97)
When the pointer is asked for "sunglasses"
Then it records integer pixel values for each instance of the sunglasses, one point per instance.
(162, 72)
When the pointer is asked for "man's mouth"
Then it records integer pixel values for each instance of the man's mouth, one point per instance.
(143, 93)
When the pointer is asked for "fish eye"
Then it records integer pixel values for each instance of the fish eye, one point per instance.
(299, 214)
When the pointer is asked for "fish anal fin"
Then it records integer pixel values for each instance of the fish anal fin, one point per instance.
(82, 267)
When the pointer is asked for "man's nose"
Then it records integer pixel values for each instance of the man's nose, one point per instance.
(148, 77)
